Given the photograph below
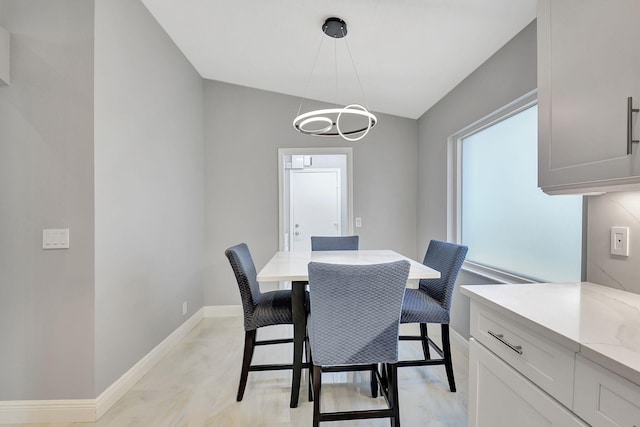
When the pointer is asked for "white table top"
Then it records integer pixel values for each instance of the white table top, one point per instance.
(292, 266)
(601, 323)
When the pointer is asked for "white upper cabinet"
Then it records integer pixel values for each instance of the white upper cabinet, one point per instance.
(588, 67)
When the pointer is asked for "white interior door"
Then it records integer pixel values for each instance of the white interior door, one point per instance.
(315, 196)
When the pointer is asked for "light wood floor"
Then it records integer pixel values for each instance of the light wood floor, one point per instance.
(196, 383)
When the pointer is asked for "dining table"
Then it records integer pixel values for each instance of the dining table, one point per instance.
(293, 267)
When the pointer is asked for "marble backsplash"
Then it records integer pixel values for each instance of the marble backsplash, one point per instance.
(619, 209)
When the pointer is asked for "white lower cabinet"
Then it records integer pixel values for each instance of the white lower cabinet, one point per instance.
(603, 398)
(553, 355)
(499, 396)
(547, 364)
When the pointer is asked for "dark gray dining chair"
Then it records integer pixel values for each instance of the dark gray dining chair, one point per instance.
(334, 243)
(431, 303)
(353, 325)
(260, 309)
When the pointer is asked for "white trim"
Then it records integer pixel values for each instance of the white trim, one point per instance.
(498, 276)
(454, 188)
(348, 151)
(47, 411)
(454, 159)
(511, 109)
(90, 410)
(222, 311)
(454, 183)
(123, 384)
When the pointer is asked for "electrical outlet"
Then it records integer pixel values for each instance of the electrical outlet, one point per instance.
(184, 308)
(620, 241)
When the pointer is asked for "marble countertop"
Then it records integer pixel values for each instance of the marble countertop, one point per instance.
(601, 323)
(292, 266)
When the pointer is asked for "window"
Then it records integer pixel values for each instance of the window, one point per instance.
(509, 224)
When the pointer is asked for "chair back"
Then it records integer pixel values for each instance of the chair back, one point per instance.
(447, 258)
(334, 243)
(355, 312)
(245, 272)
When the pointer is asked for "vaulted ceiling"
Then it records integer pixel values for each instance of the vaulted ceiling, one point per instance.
(408, 53)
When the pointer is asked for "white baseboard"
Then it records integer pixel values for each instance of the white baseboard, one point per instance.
(123, 384)
(47, 411)
(223, 311)
(90, 410)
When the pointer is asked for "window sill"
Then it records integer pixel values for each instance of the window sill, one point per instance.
(496, 275)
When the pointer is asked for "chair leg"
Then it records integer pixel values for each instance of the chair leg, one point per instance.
(317, 384)
(249, 345)
(448, 363)
(394, 403)
(384, 380)
(424, 335)
(374, 381)
(309, 360)
(299, 332)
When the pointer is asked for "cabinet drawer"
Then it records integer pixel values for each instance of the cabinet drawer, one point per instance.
(546, 363)
(501, 397)
(604, 399)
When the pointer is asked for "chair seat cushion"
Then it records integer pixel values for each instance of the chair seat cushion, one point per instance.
(418, 307)
(272, 308)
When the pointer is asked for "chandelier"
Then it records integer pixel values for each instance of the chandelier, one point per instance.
(330, 122)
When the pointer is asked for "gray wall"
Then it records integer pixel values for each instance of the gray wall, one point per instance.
(69, 328)
(507, 75)
(46, 181)
(243, 130)
(149, 187)
(73, 321)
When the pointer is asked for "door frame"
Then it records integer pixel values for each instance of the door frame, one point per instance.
(348, 151)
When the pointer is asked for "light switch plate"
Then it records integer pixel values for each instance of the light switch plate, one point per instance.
(55, 238)
(620, 241)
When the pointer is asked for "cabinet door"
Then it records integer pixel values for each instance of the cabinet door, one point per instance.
(501, 397)
(588, 65)
(603, 398)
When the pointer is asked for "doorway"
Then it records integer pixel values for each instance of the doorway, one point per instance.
(315, 195)
(314, 206)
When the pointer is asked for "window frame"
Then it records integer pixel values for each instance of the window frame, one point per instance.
(454, 188)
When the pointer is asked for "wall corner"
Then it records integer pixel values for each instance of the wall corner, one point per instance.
(5, 45)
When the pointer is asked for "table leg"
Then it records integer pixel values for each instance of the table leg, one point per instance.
(299, 331)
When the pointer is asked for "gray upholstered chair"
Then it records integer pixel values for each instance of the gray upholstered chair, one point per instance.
(260, 309)
(334, 243)
(431, 303)
(353, 325)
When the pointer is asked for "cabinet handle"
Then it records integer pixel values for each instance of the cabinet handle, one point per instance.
(630, 111)
(500, 337)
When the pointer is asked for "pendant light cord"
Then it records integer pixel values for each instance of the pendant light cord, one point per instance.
(335, 66)
(326, 122)
(353, 63)
(313, 67)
